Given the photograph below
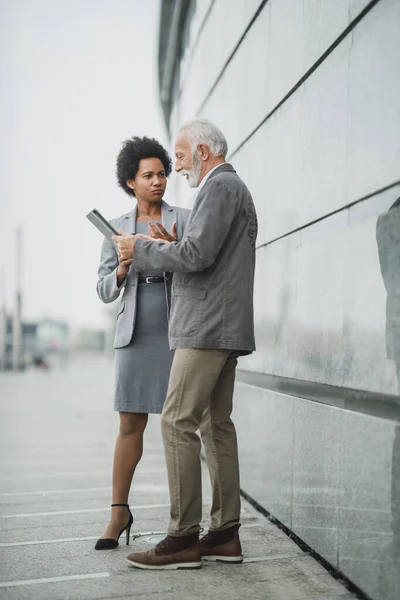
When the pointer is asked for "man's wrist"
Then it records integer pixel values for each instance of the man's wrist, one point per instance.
(120, 276)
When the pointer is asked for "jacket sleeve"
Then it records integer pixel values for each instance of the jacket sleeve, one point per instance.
(213, 213)
(107, 287)
(185, 214)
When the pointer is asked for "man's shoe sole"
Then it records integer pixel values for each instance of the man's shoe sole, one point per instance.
(226, 559)
(188, 565)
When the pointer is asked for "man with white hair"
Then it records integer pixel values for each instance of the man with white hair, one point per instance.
(211, 325)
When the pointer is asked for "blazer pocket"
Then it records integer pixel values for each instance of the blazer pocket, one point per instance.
(187, 308)
(189, 291)
(121, 307)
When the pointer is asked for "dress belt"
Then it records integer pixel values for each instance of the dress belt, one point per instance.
(151, 279)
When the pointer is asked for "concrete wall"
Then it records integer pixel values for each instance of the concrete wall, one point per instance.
(307, 93)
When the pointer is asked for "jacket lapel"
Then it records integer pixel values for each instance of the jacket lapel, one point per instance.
(168, 216)
(130, 221)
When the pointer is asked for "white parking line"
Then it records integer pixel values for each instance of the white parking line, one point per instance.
(76, 512)
(51, 475)
(53, 579)
(77, 539)
(146, 487)
(95, 537)
(66, 461)
(76, 474)
(56, 541)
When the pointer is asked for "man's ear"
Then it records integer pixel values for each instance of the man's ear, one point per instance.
(204, 151)
(130, 183)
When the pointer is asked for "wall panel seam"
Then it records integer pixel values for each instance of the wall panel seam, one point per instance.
(229, 59)
(335, 212)
(304, 78)
(195, 43)
(374, 404)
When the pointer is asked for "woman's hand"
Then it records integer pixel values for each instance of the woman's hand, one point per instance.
(162, 234)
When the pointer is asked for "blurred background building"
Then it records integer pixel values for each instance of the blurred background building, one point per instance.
(307, 95)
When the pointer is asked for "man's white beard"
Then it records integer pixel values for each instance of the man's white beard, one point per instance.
(193, 175)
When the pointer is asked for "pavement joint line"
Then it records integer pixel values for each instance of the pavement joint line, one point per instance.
(53, 579)
(79, 511)
(77, 474)
(251, 559)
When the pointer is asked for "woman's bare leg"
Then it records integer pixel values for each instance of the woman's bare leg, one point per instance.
(127, 454)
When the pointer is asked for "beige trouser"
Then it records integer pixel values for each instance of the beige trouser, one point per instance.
(200, 397)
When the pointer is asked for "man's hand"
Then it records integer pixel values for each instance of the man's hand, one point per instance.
(125, 244)
(122, 270)
(148, 238)
(163, 234)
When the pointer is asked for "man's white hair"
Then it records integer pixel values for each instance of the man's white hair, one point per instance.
(202, 131)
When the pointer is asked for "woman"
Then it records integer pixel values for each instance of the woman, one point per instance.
(141, 338)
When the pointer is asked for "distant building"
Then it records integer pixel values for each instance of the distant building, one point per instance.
(39, 340)
(53, 335)
(90, 340)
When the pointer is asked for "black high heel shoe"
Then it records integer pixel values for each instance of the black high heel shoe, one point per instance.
(110, 543)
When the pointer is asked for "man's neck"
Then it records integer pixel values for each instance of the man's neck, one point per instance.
(215, 161)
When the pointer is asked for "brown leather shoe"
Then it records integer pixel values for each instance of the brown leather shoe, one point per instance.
(170, 553)
(222, 546)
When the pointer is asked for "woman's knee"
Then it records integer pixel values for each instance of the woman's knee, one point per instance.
(130, 423)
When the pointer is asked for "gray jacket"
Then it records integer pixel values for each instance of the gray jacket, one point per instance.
(213, 265)
(107, 287)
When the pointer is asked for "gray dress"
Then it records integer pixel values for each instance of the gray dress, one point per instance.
(142, 368)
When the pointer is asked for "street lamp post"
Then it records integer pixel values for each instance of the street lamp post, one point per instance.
(17, 324)
(3, 322)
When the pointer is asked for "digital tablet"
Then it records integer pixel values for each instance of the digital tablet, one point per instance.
(102, 224)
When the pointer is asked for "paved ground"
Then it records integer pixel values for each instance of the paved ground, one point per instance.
(57, 432)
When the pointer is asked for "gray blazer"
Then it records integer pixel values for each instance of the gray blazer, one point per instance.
(107, 287)
(213, 266)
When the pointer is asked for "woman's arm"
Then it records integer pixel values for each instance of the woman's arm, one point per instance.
(111, 275)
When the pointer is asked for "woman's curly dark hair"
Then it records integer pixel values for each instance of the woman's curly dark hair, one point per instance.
(133, 150)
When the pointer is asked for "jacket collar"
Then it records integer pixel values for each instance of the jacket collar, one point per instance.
(223, 168)
(168, 217)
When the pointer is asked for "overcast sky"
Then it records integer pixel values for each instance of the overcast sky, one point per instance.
(77, 78)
